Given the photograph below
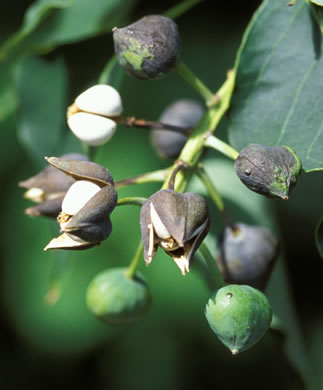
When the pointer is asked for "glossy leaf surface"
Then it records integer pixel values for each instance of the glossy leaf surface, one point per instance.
(278, 97)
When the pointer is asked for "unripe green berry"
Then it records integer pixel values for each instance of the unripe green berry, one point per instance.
(117, 299)
(239, 315)
(268, 170)
(148, 48)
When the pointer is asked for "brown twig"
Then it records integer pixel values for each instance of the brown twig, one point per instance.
(179, 165)
(142, 123)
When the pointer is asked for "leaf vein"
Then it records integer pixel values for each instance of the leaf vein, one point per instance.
(279, 40)
(295, 100)
(319, 131)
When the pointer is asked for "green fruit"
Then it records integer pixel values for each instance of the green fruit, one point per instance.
(269, 170)
(239, 315)
(117, 299)
(148, 48)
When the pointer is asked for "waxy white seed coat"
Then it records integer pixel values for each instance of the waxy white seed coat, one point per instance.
(159, 227)
(78, 195)
(100, 99)
(92, 129)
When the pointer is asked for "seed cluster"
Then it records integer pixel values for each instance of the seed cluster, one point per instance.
(81, 195)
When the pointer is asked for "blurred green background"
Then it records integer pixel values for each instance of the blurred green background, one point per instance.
(57, 54)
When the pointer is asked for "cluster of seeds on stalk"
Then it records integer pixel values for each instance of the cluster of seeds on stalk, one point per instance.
(81, 195)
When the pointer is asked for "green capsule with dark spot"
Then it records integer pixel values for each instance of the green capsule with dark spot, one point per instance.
(268, 170)
(148, 48)
(116, 298)
(239, 315)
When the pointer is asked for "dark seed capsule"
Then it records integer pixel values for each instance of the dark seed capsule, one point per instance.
(183, 113)
(117, 299)
(247, 255)
(268, 170)
(48, 188)
(49, 208)
(83, 170)
(92, 223)
(85, 217)
(239, 315)
(148, 48)
(176, 222)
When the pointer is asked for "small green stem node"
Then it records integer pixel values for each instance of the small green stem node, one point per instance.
(215, 196)
(195, 82)
(213, 142)
(131, 200)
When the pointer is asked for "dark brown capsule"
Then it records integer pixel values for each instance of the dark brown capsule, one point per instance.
(85, 217)
(83, 170)
(183, 113)
(268, 170)
(148, 48)
(176, 222)
(92, 223)
(48, 189)
(247, 255)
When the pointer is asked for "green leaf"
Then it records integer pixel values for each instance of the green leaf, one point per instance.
(48, 24)
(319, 236)
(42, 93)
(278, 96)
(318, 2)
(34, 16)
(8, 98)
(80, 21)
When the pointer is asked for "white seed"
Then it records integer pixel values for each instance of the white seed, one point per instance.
(100, 99)
(159, 227)
(92, 129)
(37, 195)
(78, 195)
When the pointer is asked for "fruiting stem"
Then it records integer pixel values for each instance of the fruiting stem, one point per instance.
(111, 73)
(195, 82)
(193, 148)
(179, 165)
(181, 8)
(131, 200)
(59, 271)
(192, 152)
(210, 261)
(154, 176)
(215, 196)
(90, 151)
(213, 142)
(132, 268)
